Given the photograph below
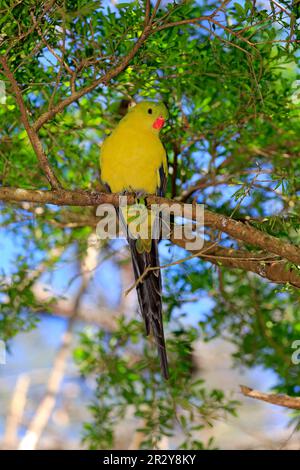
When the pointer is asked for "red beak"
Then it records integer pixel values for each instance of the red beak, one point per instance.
(158, 123)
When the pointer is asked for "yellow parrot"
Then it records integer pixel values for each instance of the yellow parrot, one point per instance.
(133, 159)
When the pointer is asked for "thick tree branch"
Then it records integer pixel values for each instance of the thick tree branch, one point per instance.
(46, 8)
(280, 400)
(104, 79)
(33, 137)
(238, 230)
(267, 266)
(149, 28)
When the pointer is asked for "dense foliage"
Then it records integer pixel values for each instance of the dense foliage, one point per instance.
(230, 83)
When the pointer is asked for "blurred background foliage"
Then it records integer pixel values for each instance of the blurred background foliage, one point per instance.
(233, 144)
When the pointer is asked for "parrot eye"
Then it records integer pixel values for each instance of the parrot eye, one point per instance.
(149, 111)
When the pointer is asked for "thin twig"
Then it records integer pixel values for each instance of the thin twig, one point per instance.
(236, 229)
(15, 415)
(156, 7)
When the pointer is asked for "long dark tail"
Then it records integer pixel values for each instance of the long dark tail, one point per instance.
(149, 292)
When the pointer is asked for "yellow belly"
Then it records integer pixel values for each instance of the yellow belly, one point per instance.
(131, 160)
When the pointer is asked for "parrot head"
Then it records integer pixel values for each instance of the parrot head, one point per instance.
(149, 114)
